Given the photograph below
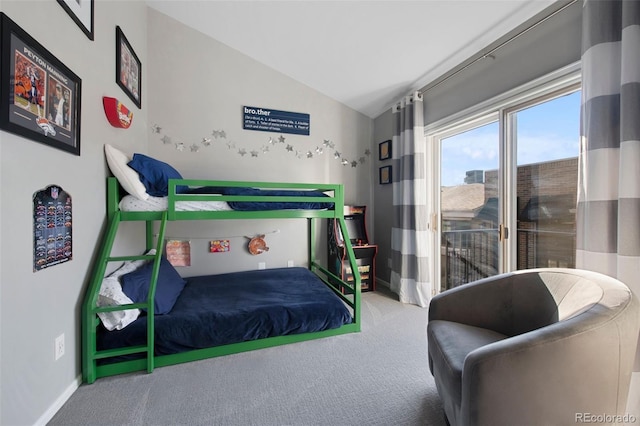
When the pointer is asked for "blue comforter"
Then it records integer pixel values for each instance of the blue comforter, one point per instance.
(256, 206)
(229, 308)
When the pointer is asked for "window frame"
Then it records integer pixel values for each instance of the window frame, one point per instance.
(499, 108)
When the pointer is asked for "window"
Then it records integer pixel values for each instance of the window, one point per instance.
(507, 184)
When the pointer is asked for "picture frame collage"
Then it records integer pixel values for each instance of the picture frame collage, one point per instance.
(41, 96)
(385, 153)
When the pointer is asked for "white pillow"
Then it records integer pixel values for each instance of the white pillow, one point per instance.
(111, 294)
(128, 178)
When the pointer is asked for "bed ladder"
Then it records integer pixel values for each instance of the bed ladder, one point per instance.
(90, 319)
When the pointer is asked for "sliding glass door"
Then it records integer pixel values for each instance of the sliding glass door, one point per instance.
(546, 135)
(469, 200)
(507, 189)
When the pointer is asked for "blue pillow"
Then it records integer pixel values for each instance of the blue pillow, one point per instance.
(170, 284)
(155, 174)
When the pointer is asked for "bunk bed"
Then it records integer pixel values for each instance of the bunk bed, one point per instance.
(144, 344)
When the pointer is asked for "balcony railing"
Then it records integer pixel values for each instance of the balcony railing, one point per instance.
(472, 254)
(468, 255)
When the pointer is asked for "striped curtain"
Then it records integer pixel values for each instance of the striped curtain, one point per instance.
(608, 219)
(409, 234)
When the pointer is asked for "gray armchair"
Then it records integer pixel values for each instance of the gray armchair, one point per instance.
(538, 347)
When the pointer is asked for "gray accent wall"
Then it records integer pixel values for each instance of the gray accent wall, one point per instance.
(191, 86)
(200, 85)
(549, 46)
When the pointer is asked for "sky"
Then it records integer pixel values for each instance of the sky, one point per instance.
(548, 131)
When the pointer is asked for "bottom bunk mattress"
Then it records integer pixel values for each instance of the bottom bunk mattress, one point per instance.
(216, 310)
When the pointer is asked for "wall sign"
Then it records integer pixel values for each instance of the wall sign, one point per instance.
(273, 120)
(52, 224)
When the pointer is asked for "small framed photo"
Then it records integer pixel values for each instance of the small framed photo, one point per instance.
(81, 11)
(385, 175)
(39, 95)
(128, 69)
(384, 150)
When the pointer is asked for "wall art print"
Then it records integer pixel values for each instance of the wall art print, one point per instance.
(128, 69)
(52, 227)
(81, 11)
(39, 95)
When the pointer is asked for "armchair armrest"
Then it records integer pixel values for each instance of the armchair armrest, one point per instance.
(520, 380)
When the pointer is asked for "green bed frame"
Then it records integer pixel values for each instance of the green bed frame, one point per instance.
(349, 292)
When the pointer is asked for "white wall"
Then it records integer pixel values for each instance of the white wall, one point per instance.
(37, 307)
(199, 85)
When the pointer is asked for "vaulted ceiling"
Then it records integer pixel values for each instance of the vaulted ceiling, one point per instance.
(364, 54)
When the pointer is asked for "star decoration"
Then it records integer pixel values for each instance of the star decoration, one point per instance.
(243, 151)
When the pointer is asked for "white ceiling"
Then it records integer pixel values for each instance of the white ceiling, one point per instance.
(364, 54)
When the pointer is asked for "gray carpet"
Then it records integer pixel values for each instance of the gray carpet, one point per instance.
(376, 377)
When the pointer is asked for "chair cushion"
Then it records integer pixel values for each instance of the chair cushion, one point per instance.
(449, 345)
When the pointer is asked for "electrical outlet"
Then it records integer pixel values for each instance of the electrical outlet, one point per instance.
(289, 263)
(59, 346)
(262, 265)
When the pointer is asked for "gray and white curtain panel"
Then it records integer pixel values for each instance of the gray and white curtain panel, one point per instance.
(608, 217)
(409, 234)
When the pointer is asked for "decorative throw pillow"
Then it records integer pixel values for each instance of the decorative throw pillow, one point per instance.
(155, 175)
(169, 286)
(128, 178)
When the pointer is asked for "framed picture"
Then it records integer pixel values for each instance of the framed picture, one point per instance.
(128, 69)
(385, 175)
(384, 150)
(39, 95)
(81, 11)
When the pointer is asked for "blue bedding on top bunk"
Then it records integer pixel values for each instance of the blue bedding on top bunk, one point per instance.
(221, 309)
(258, 206)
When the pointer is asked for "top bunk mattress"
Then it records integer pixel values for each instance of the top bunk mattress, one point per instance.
(216, 310)
(130, 203)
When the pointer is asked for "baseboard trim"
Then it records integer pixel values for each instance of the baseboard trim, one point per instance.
(59, 402)
(383, 282)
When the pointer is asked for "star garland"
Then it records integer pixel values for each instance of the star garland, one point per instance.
(206, 142)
